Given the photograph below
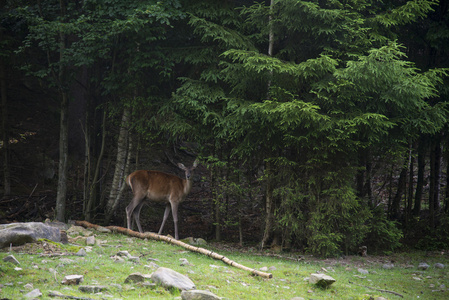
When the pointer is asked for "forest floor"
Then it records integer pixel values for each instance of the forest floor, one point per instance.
(44, 265)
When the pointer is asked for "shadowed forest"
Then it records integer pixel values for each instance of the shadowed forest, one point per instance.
(319, 126)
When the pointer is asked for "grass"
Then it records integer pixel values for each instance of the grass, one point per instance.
(289, 277)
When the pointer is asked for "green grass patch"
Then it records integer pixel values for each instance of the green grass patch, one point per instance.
(45, 269)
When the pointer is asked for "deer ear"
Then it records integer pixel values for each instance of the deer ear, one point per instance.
(195, 163)
(181, 166)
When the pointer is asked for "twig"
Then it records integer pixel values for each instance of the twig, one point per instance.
(380, 290)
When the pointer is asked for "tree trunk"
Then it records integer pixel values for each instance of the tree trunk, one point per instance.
(420, 180)
(269, 208)
(402, 182)
(410, 185)
(63, 160)
(5, 131)
(119, 172)
(435, 169)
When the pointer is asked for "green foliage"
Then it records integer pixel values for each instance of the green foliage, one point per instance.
(384, 234)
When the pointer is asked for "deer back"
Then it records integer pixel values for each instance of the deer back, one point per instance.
(157, 186)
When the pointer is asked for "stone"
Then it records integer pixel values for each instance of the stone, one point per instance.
(169, 278)
(423, 266)
(152, 265)
(184, 262)
(198, 295)
(81, 252)
(33, 294)
(90, 241)
(439, 266)
(137, 277)
(363, 271)
(123, 253)
(22, 233)
(92, 288)
(388, 266)
(72, 279)
(264, 269)
(103, 229)
(322, 280)
(11, 259)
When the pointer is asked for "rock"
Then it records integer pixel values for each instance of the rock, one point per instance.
(21, 233)
(28, 286)
(388, 266)
(11, 259)
(103, 229)
(322, 280)
(123, 253)
(81, 252)
(198, 295)
(137, 277)
(169, 278)
(33, 294)
(90, 241)
(185, 262)
(117, 259)
(363, 271)
(272, 268)
(135, 259)
(72, 279)
(439, 266)
(78, 230)
(264, 269)
(152, 265)
(92, 288)
(423, 266)
(194, 241)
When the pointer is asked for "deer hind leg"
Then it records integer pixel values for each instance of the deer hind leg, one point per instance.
(136, 215)
(166, 213)
(131, 210)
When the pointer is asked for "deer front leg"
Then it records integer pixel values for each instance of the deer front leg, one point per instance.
(174, 209)
(166, 213)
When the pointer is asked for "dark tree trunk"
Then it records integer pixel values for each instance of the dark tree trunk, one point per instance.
(420, 179)
(4, 131)
(402, 182)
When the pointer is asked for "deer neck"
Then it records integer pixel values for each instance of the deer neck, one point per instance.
(187, 186)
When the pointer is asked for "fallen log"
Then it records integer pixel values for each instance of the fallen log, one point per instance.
(157, 237)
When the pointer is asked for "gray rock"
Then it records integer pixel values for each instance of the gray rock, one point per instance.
(423, 266)
(90, 241)
(21, 233)
(92, 288)
(388, 266)
(72, 279)
(439, 266)
(363, 271)
(11, 259)
(123, 253)
(321, 280)
(103, 229)
(198, 295)
(137, 277)
(169, 278)
(81, 252)
(33, 294)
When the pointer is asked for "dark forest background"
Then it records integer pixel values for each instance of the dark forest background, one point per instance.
(319, 125)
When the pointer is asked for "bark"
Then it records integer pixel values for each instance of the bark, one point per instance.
(435, 176)
(410, 184)
(402, 182)
(61, 195)
(170, 240)
(269, 209)
(4, 129)
(119, 172)
(420, 179)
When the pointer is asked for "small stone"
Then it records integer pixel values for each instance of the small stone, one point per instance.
(388, 266)
(264, 269)
(152, 265)
(272, 268)
(135, 259)
(11, 259)
(81, 252)
(33, 294)
(28, 286)
(90, 241)
(137, 277)
(439, 266)
(321, 280)
(92, 288)
(123, 253)
(117, 259)
(417, 278)
(363, 271)
(72, 279)
(103, 229)
(423, 266)
(198, 295)
(185, 262)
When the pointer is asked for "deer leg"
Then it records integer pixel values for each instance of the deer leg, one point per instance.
(136, 202)
(136, 214)
(174, 209)
(166, 213)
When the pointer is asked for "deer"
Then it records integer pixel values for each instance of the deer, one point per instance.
(156, 186)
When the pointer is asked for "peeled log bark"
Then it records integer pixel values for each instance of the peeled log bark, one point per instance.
(157, 237)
